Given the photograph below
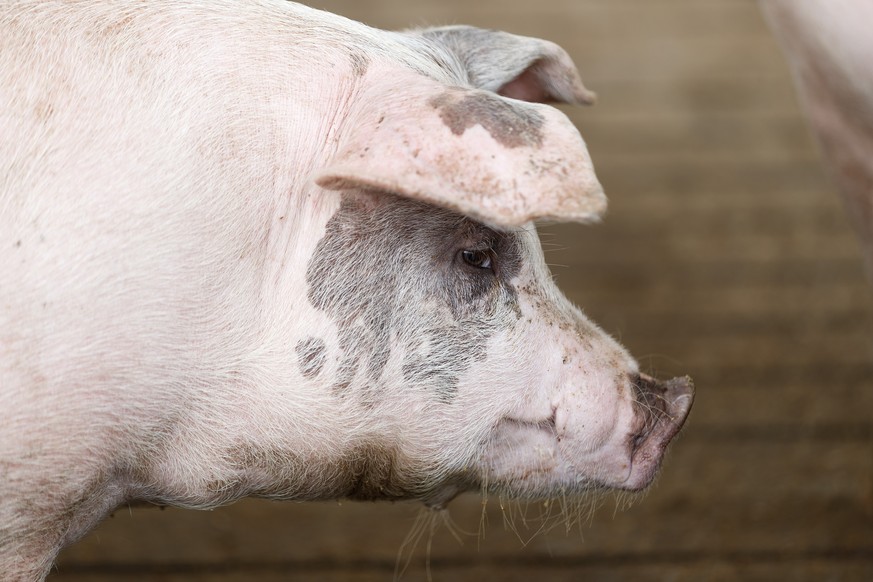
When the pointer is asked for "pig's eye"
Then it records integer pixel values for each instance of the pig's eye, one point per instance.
(478, 259)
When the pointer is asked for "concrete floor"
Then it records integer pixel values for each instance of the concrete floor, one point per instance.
(725, 255)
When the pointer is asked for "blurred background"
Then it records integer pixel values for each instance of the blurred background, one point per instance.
(725, 255)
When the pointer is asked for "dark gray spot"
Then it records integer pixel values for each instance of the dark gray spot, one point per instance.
(390, 276)
(510, 124)
(438, 362)
(360, 64)
(310, 356)
(353, 338)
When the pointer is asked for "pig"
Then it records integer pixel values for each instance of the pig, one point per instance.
(830, 52)
(248, 248)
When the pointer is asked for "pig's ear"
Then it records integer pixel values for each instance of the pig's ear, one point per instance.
(514, 66)
(502, 161)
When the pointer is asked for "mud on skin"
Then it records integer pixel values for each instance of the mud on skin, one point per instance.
(390, 279)
(511, 125)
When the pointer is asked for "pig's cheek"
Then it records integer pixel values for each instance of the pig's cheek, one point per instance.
(566, 425)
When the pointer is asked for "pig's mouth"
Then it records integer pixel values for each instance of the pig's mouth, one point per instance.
(663, 406)
(535, 459)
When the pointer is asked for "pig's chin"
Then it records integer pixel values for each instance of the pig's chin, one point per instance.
(531, 460)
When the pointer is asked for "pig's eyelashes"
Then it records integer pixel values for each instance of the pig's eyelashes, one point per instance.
(478, 259)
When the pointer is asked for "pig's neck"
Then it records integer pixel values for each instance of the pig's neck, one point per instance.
(258, 426)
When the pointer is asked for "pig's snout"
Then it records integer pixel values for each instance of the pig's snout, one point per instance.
(660, 410)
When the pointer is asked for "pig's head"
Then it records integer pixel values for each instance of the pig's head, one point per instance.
(466, 366)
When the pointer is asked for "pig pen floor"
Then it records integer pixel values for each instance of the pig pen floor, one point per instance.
(725, 255)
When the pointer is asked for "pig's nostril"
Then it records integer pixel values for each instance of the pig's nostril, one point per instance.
(649, 396)
(651, 408)
(661, 408)
(639, 440)
(643, 428)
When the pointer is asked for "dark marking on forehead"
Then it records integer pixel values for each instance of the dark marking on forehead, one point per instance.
(388, 275)
(311, 356)
(360, 63)
(510, 124)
